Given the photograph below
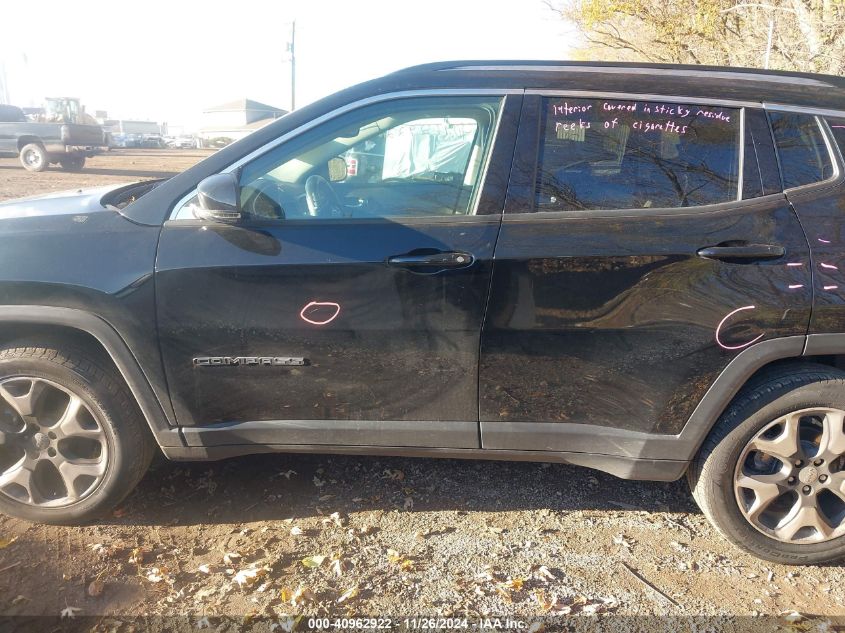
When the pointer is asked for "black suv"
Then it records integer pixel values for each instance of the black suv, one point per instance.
(639, 269)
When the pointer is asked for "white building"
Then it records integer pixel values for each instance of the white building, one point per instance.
(234, 120)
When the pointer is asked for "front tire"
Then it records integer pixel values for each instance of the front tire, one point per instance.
(771, 474)
(34, 157)
(73, 442)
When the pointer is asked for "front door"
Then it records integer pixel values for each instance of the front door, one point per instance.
(653, 247)
(346, 306)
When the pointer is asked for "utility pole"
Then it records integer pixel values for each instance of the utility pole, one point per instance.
(292, 51)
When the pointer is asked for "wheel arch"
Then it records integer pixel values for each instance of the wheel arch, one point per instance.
(751, 366)
(26, 139)
(88, 329)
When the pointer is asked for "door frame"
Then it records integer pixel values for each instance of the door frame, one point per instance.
(615, 443)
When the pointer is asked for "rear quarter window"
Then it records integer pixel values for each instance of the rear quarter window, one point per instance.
(598, 154)
(802, 151)
(837, 126)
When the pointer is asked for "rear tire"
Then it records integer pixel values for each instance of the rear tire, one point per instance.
(72, 163)
(60, 464)
(771, 474)
(34, 157)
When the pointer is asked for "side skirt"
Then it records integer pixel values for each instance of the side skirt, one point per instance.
(624, 467)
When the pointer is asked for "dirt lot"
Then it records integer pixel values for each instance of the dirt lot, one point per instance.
(117, 166)
(316, 535)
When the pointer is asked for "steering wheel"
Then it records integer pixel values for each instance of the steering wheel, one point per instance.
(262, 204)
(321, 198)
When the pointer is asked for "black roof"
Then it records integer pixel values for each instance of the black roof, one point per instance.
(722, 82)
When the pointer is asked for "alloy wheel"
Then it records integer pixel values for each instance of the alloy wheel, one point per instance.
(53, 450)
(790, 478)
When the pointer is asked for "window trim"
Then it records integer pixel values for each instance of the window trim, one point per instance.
(356, 105)
(829, 141)
(624, 96)
(827, 128)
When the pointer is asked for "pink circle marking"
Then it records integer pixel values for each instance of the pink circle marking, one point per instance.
(320, 304)
(722, 322)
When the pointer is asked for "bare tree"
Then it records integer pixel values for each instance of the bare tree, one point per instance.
(804, 35)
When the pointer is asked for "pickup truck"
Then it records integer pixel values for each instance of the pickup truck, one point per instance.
(40, 144)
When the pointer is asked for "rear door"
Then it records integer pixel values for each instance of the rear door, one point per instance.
(645, 244)
(339, 312)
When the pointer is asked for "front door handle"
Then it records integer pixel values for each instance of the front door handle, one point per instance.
(432, 261)
(749, 252)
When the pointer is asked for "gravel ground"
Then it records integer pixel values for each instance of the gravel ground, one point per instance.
(240, 543)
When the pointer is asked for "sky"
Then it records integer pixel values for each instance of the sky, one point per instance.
(168, 60)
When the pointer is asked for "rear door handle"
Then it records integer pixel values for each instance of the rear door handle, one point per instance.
(742, 251)
(436, 261)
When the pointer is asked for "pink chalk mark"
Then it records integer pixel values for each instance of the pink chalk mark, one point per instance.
(829, 266)
(794, 286)
(829, 287)
(823, 241)
(795, 264)
(320, 304)
(722, 322)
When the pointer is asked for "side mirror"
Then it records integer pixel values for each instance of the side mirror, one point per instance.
(218, 197)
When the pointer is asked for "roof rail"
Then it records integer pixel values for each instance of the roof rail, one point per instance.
(724, 72)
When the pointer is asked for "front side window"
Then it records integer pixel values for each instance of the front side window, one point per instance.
(803, 154)
(614, 154)
(408, 158)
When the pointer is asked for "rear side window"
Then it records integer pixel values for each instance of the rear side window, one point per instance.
(837, 126)
(803, 154)
(613, 154)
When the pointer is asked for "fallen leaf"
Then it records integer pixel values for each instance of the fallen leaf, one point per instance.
(202, 623)
(249, 576)
(96, 588)
(156, 574)
(204, 569)
(296, 531)
(409, 503)
(334, 517)
(100, 550)
(5, 542)
(313, 561)
(230, 557)
(515, 583)
(286, 623)
(339, 566)
(137, 556)
(791, 616)
(301, 596)
(69, 612)
(394, 474)
(544, 574)
(621, 539)
(348, 595)
(545, 603)
(288, 473)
